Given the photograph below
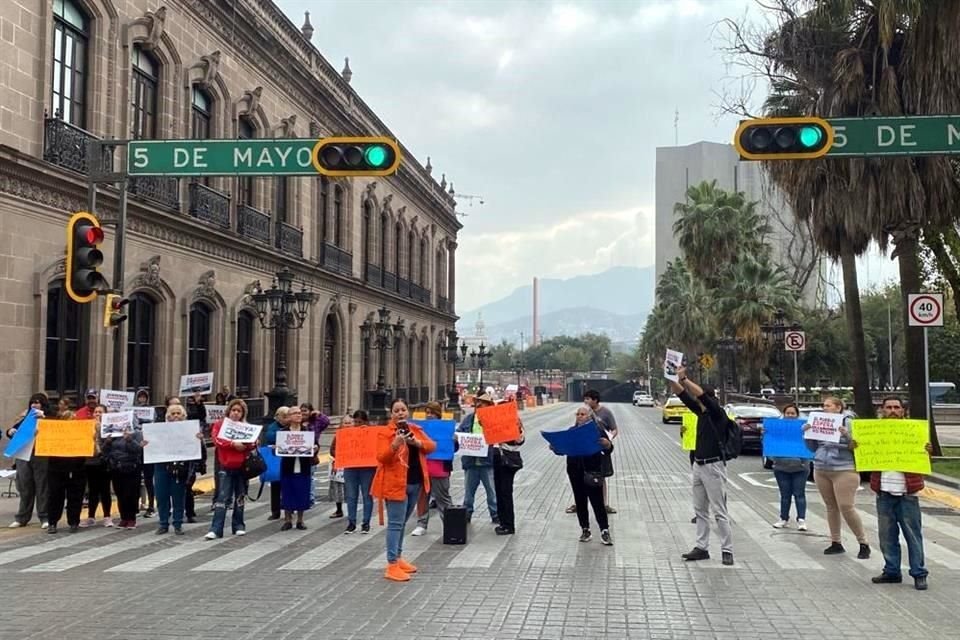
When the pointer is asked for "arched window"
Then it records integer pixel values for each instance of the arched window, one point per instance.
(65, 356)
(198, 349)
(384, 237)
(70, 37)
(397, 248)
(398, 366)
(201, 116)
(146, 80)
(282, 201)
(411, 365)
(338, 231)
(411, 250)
(424, 365)
(141, 321)
(245, 184)
(367, 239)
(244, 353)
(324, 197)
(329, 365)
(424, 258)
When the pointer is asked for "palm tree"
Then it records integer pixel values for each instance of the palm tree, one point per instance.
(685, 304)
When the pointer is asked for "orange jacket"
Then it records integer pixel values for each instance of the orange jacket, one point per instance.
(390, 481)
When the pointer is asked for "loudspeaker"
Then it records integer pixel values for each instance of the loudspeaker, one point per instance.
(455, 525)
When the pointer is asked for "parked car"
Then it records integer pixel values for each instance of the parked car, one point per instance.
(642, 399)
(750, 418)
(673, 410)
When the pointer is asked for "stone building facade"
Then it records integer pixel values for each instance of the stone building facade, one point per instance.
(196, 248)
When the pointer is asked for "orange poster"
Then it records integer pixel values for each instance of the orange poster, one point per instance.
(65, 438)
(357, 447)
(500, 423)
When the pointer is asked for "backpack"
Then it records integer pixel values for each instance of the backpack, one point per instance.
(732, 443)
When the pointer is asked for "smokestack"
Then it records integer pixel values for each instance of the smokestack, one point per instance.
(536, 312)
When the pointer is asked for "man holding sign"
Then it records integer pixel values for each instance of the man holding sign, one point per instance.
(478, 470)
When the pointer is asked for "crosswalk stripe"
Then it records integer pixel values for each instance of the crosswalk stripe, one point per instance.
(938, 553)
(786, 554)
(482, 549)
(62, 542)
(252, 552)
(329, 552)
(98, 553)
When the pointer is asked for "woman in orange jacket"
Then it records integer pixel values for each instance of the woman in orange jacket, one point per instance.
(401, 481)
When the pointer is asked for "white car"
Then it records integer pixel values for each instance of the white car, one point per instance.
(641, 399)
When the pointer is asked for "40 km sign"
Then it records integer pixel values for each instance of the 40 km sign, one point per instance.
(795, 341)
(925, 309)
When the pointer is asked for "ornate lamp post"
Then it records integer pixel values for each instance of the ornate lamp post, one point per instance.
(380, 333)
(449, 350)
(774, 332)
(281, 309)
(479, 358)
(733, 346)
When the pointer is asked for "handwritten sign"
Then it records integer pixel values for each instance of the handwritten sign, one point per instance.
(292, 444)
(196, 383)
(171, 441)
(824, 426)
(891, 445)
(215, 412)
(441, 432)
(783, 438)
(113, 425)
(472, 444)
(21, 444)
(671, 362)
(65, 438)
(500, 423)
(688, 440)
(357, 446)
(143, 414)
(115, 400)
(238, 431)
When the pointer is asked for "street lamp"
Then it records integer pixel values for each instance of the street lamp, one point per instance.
(449, 351)
(281, 309)
(479, 358)
(733, 346)
(775, 332)
(380, 334)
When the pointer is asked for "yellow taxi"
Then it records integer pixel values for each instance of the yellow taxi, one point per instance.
(673, 410)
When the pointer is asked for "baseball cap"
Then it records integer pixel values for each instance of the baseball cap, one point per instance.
(91, 392)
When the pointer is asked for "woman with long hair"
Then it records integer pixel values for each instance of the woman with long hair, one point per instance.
(791, 475)
(356, 480)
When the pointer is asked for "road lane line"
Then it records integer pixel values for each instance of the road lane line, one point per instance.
(330, 551)
(784, 553)
(252, 552)
(62, 541)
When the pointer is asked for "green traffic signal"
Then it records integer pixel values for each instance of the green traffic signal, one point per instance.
(356, 156)
(376, 155)
(800, 138)
(810, 136)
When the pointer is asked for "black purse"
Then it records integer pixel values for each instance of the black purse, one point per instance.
(510, 459)
(593, 479)
(253, 465)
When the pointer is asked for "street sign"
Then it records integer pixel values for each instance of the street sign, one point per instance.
(895, 136)
(925, 309)
(795, 341)
(707, 361)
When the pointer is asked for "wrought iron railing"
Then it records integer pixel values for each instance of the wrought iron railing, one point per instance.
(65, 144)
(209, 205)
(252, 223)
(414, 395)
(389, 281)
(374, 276)
(161, 189)
(289, 239)
(336, 259)
(403, 287)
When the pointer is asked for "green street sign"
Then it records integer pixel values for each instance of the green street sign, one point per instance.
(282, 156)
(895, 136)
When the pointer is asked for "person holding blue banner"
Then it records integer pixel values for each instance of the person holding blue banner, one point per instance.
(438, 468)
(791, 475)
(586, 479)
(32, 473)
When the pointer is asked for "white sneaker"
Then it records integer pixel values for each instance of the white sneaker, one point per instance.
(15, 525)
(240, 532)
(210, 536)
(44, 524)
(801, 524)
(419, 531)
(108, 522)
(780, 524)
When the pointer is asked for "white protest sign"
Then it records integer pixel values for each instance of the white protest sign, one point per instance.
(115, 400)
(672, 362)
(215, 412)
(295, 443)
(143, 414)
(196, 383)
(7, 473)
(113, 425)
(239, 431)
(170, 441)
(472, 444)
(824, 426)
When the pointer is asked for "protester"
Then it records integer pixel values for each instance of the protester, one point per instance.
(477, 470)
(31, 474)
(147, 491)
(91, 400)
(232, 483)
(791, 476)
(270, 440)
(585, 474)
(608, 423)
(317, 422)
(335, 483)
(709, 462)
(124, 456)
(98, 480)
(66, 480)
(439, 472)
(172, 479)
(506, 463)
(837, 480)
(295, 475)
(401, 481)
(357, 481)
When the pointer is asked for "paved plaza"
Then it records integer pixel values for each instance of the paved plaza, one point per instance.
(100, 584)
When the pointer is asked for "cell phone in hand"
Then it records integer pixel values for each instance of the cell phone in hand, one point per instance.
(402, 428)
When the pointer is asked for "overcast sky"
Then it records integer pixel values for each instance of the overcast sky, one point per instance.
(550, 110)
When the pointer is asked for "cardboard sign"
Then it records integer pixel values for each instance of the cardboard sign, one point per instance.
(171, 441)
(20, 446)
(891, 445)
(580, 440)
(689, 438)
(115, 400)
(113, 425)
(357, 446)
(783, 438)
(441, 432)
(472, 444)
(196, 383)
(215, 412)
(671, 362)
(239, 431)
(295, 444)
(500, 423)
(65, 438)
(824, 426)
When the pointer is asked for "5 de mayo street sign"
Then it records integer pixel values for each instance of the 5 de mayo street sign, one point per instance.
(907, 135)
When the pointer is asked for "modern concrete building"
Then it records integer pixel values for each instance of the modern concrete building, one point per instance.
(72, 70)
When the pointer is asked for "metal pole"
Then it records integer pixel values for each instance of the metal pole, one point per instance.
(796, 380)
(118, 258)
(926, 375)
(890, 346)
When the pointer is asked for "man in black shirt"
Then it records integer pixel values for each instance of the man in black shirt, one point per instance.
(709, 466)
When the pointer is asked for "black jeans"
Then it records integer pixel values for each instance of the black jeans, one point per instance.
(65, 484)
(582, 494)
(98, 490)
(189, 504)
(126, 484)
(503, 485)
(148, 485)
(275, 499)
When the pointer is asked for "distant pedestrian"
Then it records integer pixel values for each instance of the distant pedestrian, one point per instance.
(67, 478)
(791, 476)
(507, 461)
(124, 456)
(32, 473)
(233, 484)
(172, 481)
(279, 423)
(147, 492)
(607, 422)
(295, 474)
(585, 474)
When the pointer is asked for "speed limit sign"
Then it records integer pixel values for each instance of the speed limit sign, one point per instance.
(925, 309)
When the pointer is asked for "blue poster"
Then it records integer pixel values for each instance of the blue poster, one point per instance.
(24, 436)
(575, 441)
(441, 432)
(783, 438)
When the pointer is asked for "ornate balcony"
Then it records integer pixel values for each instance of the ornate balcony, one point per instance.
(65, 144)
(337, 260)
(374, 276)
(416, 292)
(252, 223)
(389, 281)
(209, 205)
(161, 189)
(403, 287)
(289, 239)
(413, 395)
(425, 295)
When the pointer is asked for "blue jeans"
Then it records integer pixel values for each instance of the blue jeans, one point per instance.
(168, 491)
(473, 476)
(232, 486)
(793, 484)
(357, 483)
(398, 511)
(896, 514)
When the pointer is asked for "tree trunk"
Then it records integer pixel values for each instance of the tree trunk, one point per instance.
(863, 400)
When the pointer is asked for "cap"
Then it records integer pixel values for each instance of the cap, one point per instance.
(486, 397)
(92, 392)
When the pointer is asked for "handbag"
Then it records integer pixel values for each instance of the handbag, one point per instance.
(593, 479)
(510, 459)
(253, 465)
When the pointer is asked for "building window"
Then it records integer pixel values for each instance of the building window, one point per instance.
(338, 216)
(424, 256)
(146, 79)
(200, 118)
(424, 364)
(140, 331)
(282, 200)
(411, 361)
(367, 238)
(324, 197)
(63, 366)
(244, 354)
(198, 350)
(70, 36)
(384, 236)
(397, 246)
(411, 249)
(245, 131)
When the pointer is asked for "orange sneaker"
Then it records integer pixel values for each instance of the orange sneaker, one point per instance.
(406, 566)
(395, 573)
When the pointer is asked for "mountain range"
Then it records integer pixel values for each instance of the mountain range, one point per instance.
(615, 303)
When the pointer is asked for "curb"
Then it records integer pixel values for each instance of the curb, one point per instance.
(944, 480)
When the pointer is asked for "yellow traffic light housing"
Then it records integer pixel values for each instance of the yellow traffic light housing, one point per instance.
(113, 314)
(356, 156)
(83, 278)
(802, 138)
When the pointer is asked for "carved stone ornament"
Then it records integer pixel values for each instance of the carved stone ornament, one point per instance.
(352, 308)
(315, 131)
(209, 66)
(385, 205)
(251, 287)
(370, 190)
(151, 25)
(207, 285)
(150, 272)
(250, 102)
(287, 127)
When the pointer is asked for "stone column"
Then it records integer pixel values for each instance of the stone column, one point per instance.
(451, 273)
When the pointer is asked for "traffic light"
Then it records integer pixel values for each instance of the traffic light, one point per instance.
(803, 138)
(113, 313)
(360, 156)
(83, 279)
